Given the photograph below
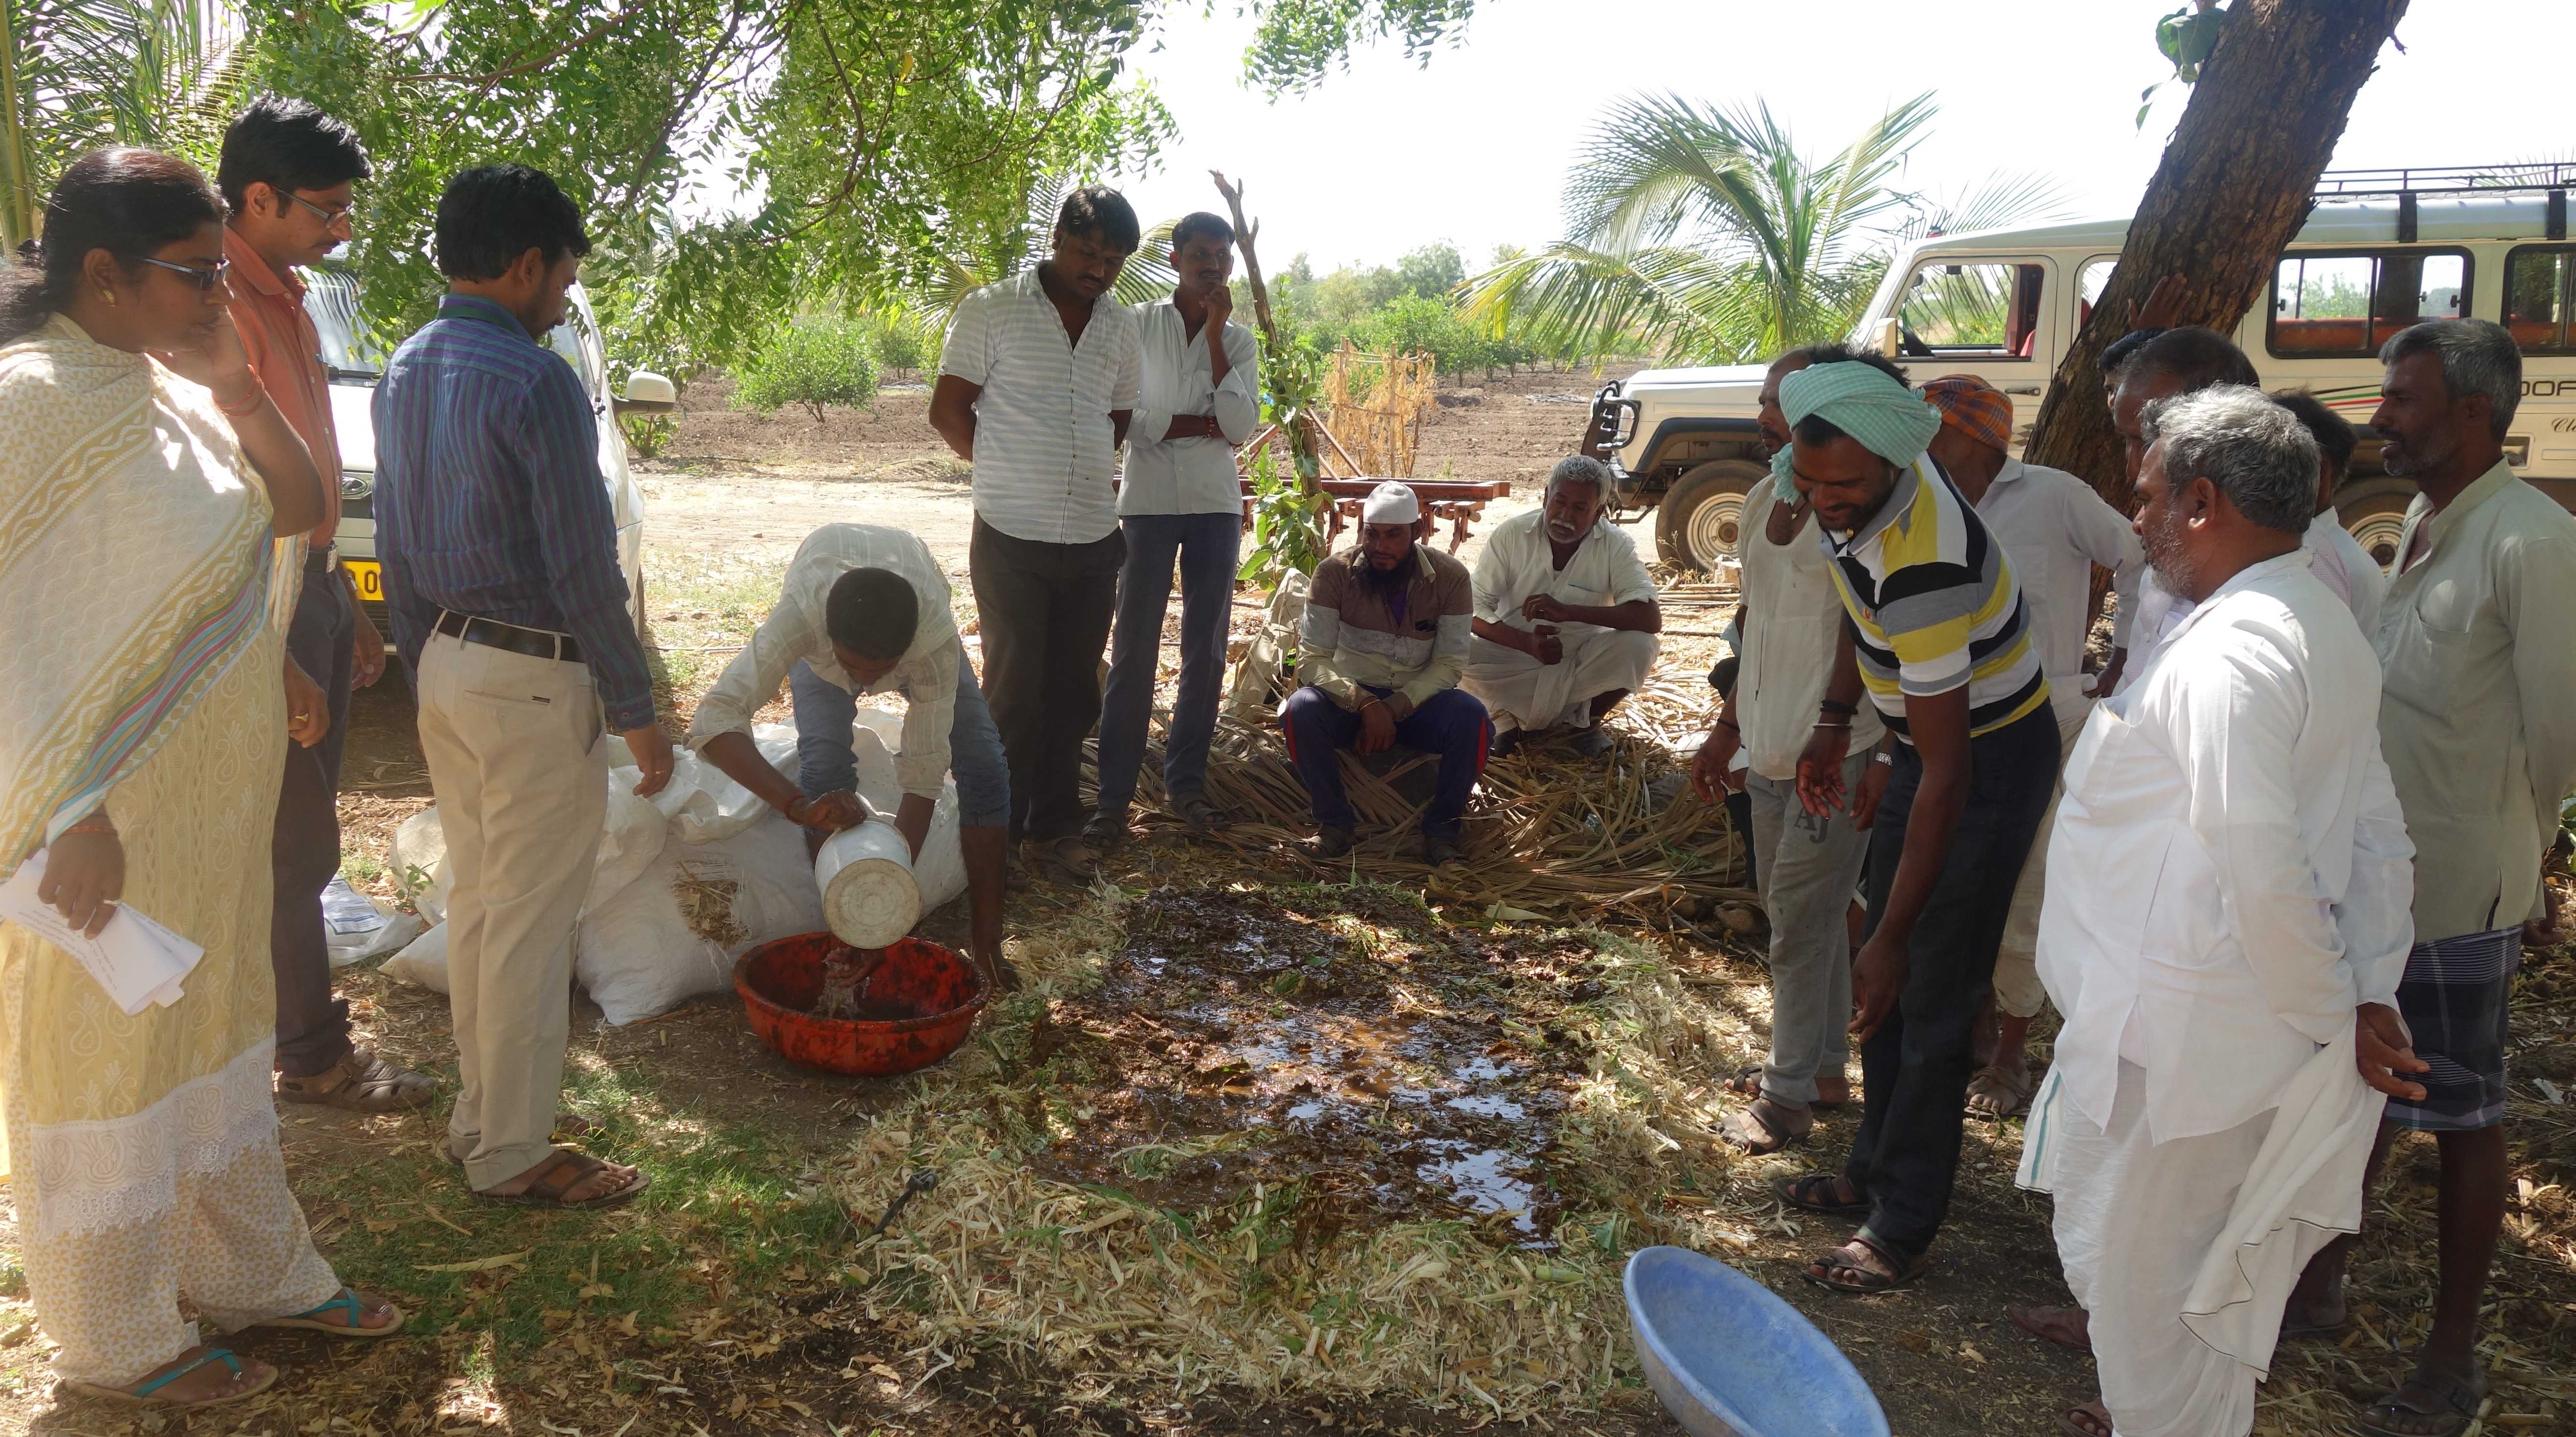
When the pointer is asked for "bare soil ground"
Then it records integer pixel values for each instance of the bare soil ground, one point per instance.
(730, 1302)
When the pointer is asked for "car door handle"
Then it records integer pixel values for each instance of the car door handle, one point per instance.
(2023, 389)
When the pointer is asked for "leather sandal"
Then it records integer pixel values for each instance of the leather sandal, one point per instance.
(569, 1128)
(1865, 1281)
(2067, 1327)
(1805, 1192)
(1747, 1083)
(1766, 1125)
(560, 1174)
(1998, 1093)
(1201, 816)
(2428, 1404)
(362, 1082)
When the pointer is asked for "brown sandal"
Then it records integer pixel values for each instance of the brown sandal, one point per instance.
(562, 1173)
(2090, 1419)
(1865, 1281)
(569, 1128)
(1747, 1083)
(2068, 1327)
(1766, 1125)
(361, 1083)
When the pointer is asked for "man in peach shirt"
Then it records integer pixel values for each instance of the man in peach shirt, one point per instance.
(288, 174)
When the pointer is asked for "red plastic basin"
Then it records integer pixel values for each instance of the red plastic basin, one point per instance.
(939, 992)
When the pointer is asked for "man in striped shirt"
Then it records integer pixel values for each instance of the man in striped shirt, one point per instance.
(1939, 638)
(501, 569)
(1037, 382)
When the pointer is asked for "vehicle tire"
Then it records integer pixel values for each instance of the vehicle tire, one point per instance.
(2373, 512)
(1696, 524)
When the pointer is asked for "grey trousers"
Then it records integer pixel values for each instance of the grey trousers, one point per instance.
(1810, 868)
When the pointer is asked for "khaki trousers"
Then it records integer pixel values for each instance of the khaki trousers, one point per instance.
(521, 776)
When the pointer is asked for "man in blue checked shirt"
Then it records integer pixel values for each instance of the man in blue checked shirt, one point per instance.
(501, 572)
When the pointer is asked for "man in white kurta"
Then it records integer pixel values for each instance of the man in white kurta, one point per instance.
(2226, 921)
(1565, 614)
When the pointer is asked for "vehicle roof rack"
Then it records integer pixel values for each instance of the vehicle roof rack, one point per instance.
(2549, 178)
(2525, 178)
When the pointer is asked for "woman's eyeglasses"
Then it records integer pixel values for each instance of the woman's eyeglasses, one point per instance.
(206, 279)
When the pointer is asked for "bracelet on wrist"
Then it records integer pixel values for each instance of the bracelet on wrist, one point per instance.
(91, 825)
(1844, 725)
(1728, 724)
(1837, 706)
(792, 805)
(243, 407)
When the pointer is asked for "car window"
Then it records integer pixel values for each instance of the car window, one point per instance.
(2347, 305)
(348, 352)
(2537, 280)
(1989, 310)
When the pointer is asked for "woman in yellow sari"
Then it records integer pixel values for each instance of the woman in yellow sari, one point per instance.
(144, 480)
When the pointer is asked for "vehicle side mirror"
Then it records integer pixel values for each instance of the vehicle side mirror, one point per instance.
(1891, 338)
(648, 393)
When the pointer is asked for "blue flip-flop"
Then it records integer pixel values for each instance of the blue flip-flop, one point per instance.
(310, 1319)
(141, 1394)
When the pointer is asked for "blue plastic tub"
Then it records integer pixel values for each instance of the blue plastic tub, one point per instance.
(1730, 1359)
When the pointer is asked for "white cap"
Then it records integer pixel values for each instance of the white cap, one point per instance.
(1390, 503)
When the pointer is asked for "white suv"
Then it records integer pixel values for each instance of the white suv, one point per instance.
(2381, 250)
(355, 364)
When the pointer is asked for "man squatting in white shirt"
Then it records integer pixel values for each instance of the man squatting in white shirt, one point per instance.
(2227, 918)
(1565, 614)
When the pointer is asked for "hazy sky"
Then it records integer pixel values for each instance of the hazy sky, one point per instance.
(1474, 149)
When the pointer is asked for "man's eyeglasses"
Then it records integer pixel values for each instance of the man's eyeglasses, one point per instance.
(328, 217)
(206, 279)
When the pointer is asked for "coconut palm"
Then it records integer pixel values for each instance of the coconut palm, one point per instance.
(75, 74)
(1699, 232)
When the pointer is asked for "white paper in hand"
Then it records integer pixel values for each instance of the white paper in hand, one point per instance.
(136, 960)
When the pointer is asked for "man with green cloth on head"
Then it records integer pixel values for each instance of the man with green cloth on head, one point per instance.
(1937, 635)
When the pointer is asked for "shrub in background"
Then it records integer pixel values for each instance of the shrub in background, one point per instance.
(812, 362)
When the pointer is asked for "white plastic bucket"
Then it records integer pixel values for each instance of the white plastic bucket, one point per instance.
(869, 895)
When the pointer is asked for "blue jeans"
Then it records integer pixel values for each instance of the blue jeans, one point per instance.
(825, 762)
(1208, 548)
(1451, 723)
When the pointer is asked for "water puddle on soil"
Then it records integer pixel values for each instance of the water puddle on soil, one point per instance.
(1254, 1038)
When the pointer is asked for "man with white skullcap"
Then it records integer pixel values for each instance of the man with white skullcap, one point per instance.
(1379, 658)
(1565, 614)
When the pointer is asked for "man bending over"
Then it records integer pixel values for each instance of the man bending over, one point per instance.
(865, 610)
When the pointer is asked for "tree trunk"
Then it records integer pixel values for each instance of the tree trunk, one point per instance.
(2233, 189)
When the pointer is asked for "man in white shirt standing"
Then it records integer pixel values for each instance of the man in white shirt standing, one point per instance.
(864, 609)
(1806, 865)
(2056, 528)
(1037, 382)
(1179, 501)
(2225, 926)
(1565, 615)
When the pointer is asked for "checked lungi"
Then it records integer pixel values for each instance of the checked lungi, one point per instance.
(2454, 997)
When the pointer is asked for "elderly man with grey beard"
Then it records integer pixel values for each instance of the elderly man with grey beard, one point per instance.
(2225, 925)
(1565, 616)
